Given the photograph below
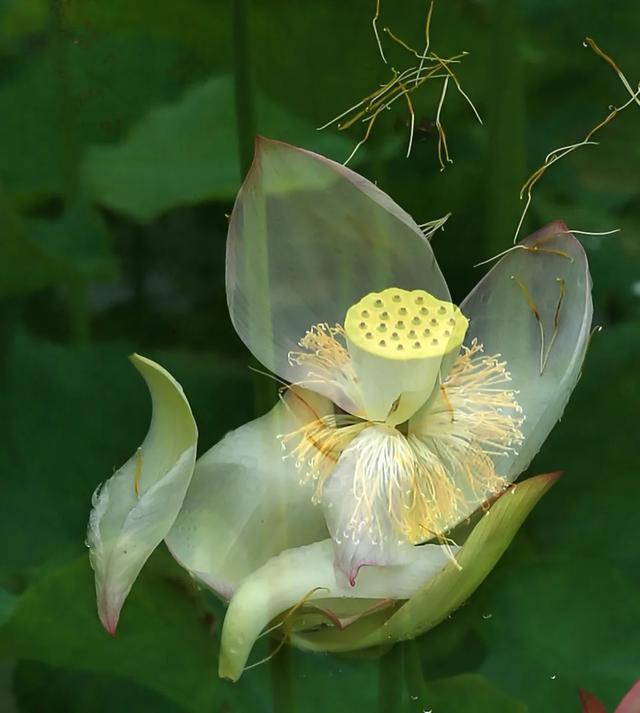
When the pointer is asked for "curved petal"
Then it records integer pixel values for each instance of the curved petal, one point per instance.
(308, 238)
(136, 507)
(307, 574)
(245, 503)
(451, 585)
(534, 309)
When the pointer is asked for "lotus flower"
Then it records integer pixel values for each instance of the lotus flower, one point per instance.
(402, 414)
(629, 704)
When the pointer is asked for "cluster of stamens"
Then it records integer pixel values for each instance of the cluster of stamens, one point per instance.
(326, 359)
(422, 483)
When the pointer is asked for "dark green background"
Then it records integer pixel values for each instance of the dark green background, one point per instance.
(118, 163)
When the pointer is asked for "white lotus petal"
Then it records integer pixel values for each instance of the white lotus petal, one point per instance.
(308, 238)
(245, 503)
(136, 507)
(307, 574)
(544, 355)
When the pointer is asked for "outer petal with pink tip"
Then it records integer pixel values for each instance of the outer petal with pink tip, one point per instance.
(307, 239)
(133, 510)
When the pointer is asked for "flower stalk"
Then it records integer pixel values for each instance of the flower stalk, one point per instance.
(264, 392)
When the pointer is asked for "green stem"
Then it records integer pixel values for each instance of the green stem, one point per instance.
(281, 678)
(79, 316)
(243, 82)
(414, 676)
(77, 303)
(64, 94)
(506, 126)
(10, 314)
(264, 391)
(391, 681)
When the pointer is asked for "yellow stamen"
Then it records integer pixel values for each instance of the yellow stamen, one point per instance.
(455, 469)
(319, 444)
(325, 356)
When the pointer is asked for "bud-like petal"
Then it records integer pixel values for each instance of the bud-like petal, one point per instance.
(135, 508)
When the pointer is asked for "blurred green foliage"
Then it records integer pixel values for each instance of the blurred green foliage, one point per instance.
(119, 163)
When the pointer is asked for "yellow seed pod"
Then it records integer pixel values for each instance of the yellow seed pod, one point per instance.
(401, 324)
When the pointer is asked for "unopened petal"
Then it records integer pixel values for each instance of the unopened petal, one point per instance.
(245, 503)
(306, 574)
(308, 238)
(534, 309)
(136, 507)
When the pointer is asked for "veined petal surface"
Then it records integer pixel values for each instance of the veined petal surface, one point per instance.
(136, 507)
(245, 503)
(308, 238)
(306, 574)
(534, 308)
